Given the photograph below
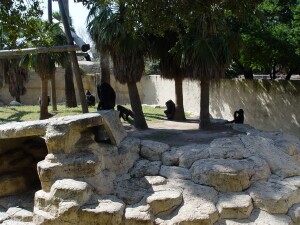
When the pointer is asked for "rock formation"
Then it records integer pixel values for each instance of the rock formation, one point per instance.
(94, 174)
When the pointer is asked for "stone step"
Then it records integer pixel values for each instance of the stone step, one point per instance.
(19, 214)
(108, 210)
(234, 205)
(83, 164)
(14, 222)
(164, 202)
(138, 214)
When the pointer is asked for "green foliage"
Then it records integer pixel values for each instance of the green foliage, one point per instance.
(19, 23)
(271, 38)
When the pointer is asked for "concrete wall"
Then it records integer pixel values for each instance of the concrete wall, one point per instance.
(268, 105)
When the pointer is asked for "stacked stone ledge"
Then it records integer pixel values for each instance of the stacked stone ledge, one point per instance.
(246, 179)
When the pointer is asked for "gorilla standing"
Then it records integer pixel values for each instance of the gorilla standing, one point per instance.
(107, 97)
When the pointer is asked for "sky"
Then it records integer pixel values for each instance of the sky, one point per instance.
(77, 11)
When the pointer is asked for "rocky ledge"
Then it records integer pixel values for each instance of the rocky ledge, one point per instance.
(252, 178)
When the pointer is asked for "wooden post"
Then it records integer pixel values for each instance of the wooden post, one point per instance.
(75, 64)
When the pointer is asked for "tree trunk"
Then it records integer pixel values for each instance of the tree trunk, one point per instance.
(136, 105)
(179, 112)
(53, 93)
(74, 60)
(204, 104)
(69, 87)
(44, 100)
(104, 66)
(18, 97)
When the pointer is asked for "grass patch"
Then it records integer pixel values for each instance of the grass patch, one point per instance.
(31, 112)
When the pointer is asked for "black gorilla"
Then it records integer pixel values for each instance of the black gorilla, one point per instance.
(238, 116)
(107, 97)
(170, 109)
(124, 112)
(90, 99)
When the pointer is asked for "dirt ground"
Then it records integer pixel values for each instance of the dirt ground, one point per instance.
(177, 133)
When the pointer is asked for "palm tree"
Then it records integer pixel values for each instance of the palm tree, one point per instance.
(205, 54)
(15, 76)
(106, 23)
(163, 48)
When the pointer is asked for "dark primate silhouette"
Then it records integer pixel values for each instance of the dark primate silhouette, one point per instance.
(238, 116)
(170, 109)
(90, 99)
(124, 112)
(107, 97)
(40, 100)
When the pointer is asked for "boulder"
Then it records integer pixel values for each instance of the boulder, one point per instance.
(139, 214)
(273, 197)
(234, 205)
(175, 172)
(266, 149)
(107, 210)
(294, 213)
(229, 174)
(145, 168)
(19, 214)
(153, 150)
(164, 202)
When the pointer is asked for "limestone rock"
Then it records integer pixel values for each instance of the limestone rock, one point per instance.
(107, 210)
(229, 174)
(232, 148)
(13, 222)
(152, 150)
(266, 149)
(138, 214)
(164, 202)
(155, 180)
(234, 205)
(294, 213)
(130, 190)
(199, 205)
(3, 216)
(113, 126)
(145, 168)
(273, 197)
(119, 159)
(81, 164)
(185, 156)
(71, 190)
(175, 172)
(19, 214)
(260, 217)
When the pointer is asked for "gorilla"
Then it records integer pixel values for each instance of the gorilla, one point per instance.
(170, 109)
(107, 97)
(124, 112)
(90, 99)
(238, 116)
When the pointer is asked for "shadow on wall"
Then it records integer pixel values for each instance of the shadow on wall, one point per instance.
(150, 89)
(268, 105)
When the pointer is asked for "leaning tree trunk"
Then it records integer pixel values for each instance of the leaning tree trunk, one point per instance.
(104, 66)
(204, 104)
(44, 100)
(136, 105)
(53, 93)
(69, 87)
(179, 112)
